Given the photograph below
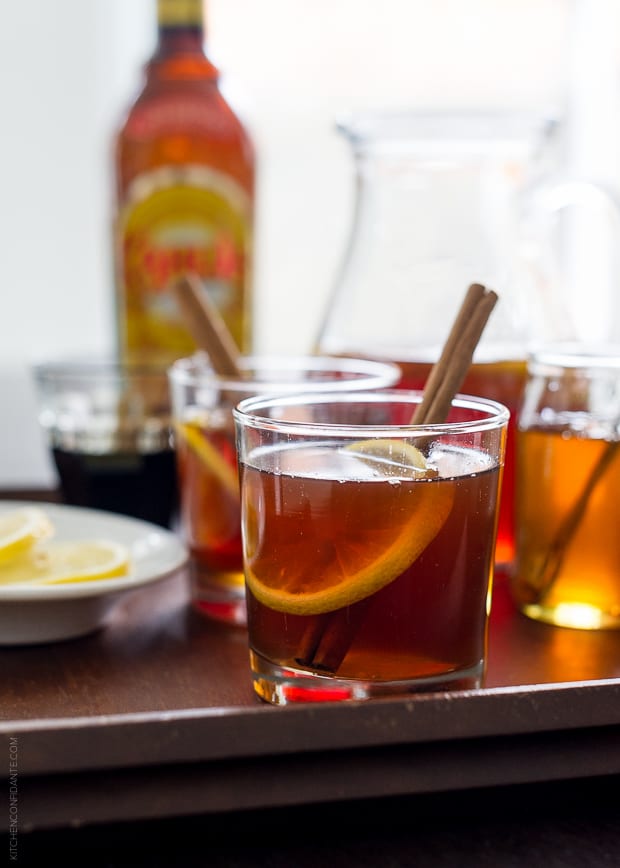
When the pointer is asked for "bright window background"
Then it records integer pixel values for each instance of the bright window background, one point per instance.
(70, 68)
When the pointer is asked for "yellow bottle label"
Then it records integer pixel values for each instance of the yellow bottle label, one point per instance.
(179, 12)
(176, 221)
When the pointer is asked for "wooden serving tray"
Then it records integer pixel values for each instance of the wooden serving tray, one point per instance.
(155, 716)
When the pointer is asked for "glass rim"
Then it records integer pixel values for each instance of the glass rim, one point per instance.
(197, 371)
(509, 128)
(247, 413)
(574, 356)
(102, 369)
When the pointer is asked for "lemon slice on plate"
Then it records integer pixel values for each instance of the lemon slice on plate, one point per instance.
(369, 545)
(66, 562)
(20, 530)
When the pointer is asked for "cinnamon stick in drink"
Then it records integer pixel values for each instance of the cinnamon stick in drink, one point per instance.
(551, 566)
(450, 370)
(207, 327)
(473, 296)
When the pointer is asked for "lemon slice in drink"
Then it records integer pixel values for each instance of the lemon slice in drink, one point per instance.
(210, 457)
(374, 532)
(392, 457)
(20, 530)
(65, 562)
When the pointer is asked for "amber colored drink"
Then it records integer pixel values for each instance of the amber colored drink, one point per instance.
(570, 579)
(501, 381)
(307, 508)
(210, 511)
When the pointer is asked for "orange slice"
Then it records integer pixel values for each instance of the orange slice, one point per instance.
(390, 529)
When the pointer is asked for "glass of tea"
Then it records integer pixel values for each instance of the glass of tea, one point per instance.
(368, 543)
(568, 462)
(203, 403)
(109, 429)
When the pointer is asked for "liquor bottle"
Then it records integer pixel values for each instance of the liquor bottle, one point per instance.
(184, 171)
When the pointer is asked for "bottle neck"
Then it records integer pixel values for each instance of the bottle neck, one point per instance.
(180, 26)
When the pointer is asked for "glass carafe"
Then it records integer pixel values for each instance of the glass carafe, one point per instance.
(442, 201)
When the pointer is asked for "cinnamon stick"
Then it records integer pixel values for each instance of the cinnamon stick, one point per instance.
(552, 564)
(326, 643)
(472, 297)
(207, 327)
(448, 373)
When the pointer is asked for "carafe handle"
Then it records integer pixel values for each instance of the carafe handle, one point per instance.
(586, 238)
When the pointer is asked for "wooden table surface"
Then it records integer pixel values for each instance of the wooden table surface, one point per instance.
(153, 722)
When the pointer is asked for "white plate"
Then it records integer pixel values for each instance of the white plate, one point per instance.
(47, 613)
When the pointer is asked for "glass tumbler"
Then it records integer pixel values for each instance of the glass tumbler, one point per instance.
(368, 543)
(109, 429)
(207, 460)
(568, 463)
